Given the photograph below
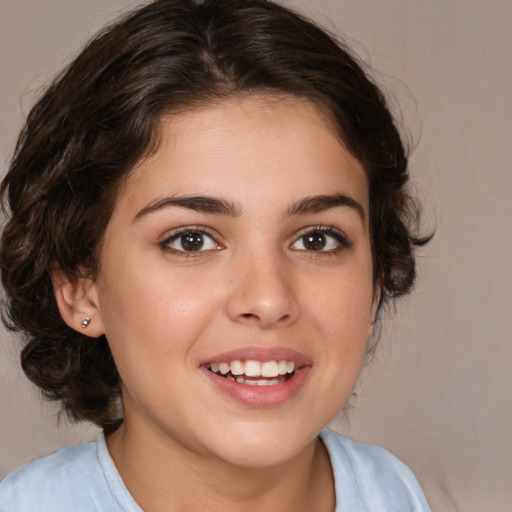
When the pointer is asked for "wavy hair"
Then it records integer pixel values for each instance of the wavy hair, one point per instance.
(101, 115)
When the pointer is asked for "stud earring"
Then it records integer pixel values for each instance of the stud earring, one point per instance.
(85, 322)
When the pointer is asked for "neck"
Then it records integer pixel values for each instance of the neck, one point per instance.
(181, 479)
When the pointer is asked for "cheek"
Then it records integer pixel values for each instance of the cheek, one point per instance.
(343, 302)
(340, 310)
(155, 311)
(153, 332)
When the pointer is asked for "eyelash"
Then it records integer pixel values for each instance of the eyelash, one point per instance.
(340, 239)
(165, 245)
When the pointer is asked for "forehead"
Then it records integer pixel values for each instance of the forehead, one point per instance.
(265, 146)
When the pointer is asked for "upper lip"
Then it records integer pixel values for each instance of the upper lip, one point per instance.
(260, 354)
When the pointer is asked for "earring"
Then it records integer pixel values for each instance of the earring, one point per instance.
(85, 322)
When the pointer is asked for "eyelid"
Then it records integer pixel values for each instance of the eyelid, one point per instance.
(174, 234)
(332, 231)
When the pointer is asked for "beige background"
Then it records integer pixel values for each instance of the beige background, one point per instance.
(438, 394)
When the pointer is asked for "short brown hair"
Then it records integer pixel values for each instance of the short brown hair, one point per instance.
(101, 116)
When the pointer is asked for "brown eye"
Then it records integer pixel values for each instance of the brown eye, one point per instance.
(189, 240)
(327, 240)
(314, 241)
(192, 241)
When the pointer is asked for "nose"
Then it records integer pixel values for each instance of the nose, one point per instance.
(263, 292)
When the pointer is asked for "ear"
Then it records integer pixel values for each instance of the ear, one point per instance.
(77, 300)
(374, 309)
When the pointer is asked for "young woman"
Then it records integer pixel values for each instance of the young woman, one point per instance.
(206, 212)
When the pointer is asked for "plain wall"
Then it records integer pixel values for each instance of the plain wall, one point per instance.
(437, 394)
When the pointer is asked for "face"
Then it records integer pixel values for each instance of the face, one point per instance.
(235, 282)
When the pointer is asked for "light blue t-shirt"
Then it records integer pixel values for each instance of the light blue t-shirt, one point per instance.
(85, 479)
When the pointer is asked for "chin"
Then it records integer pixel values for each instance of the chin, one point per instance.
(263, 446)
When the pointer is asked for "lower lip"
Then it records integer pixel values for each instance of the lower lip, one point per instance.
(259, 396)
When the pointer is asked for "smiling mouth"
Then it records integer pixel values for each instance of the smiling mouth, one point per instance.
(255, 373)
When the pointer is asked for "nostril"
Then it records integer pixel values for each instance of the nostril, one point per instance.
(258, 309)
(251, 317)
(284, 318)
(248, 316)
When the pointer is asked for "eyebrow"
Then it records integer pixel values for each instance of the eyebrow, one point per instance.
(216, 206)
(203, 204)
(317, 204)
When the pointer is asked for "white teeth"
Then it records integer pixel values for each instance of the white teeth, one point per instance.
(237, 367)
(253, 368)
(262, 382)
(269, 369)
(267, 382)
(282, 367)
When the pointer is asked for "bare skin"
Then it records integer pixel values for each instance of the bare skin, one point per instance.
(282, 269)
(302, 484)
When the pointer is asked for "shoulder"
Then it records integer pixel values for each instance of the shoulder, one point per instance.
(371, 478)
(70, 479)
